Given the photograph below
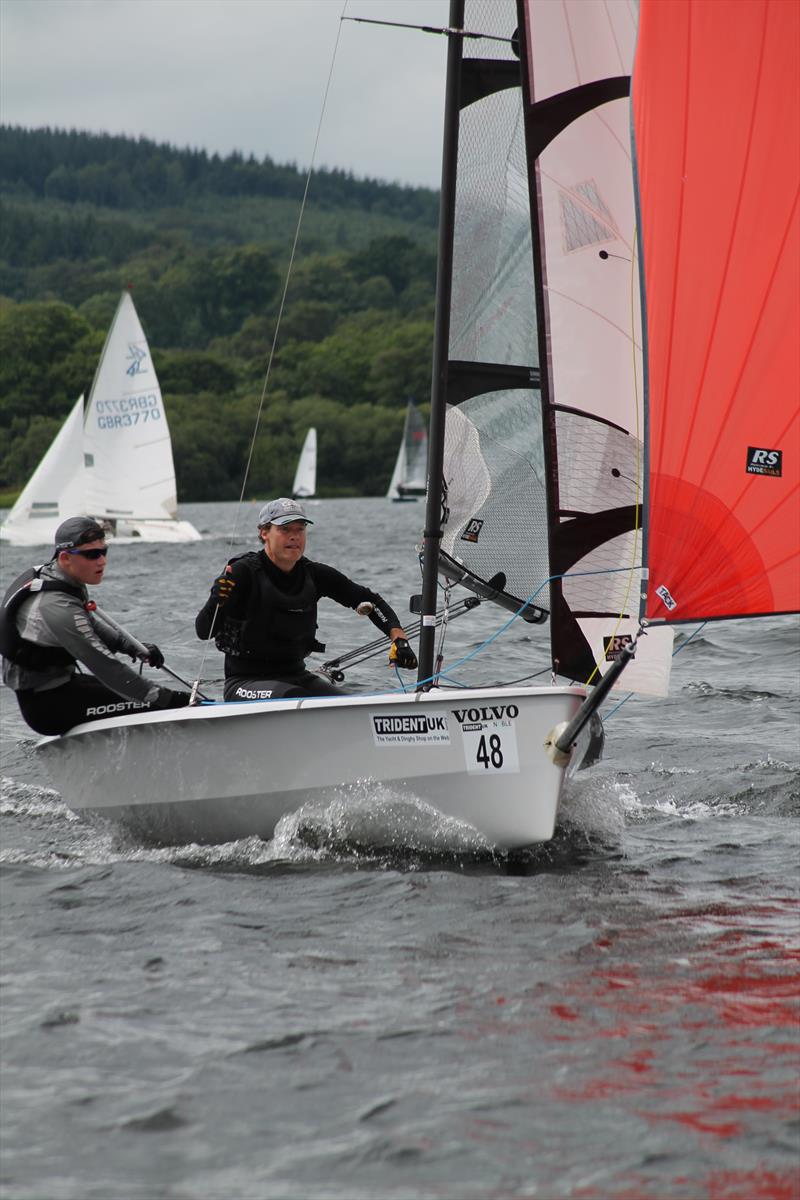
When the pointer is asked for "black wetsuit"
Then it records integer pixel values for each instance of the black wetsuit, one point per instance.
(268, 625)
(52, 696)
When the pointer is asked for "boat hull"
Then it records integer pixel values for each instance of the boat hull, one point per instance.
(156, 531)
(126, 531)
(220, 772)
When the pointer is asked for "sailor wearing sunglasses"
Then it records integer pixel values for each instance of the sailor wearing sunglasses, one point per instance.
(48, 628)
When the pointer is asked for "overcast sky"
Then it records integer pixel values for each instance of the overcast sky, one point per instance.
(227, 75)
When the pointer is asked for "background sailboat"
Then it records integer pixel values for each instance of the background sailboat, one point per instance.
(113, 461)
(305, 477)
(410, 468)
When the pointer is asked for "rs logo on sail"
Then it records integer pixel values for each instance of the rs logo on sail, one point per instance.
(472, 530)
(613, 646)
(764, 462)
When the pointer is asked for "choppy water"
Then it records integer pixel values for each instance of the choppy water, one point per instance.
(612, 1017)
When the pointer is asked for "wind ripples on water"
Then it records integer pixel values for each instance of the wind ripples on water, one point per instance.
(377, 1004)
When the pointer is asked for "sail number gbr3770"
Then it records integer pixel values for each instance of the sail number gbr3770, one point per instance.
(130, 410)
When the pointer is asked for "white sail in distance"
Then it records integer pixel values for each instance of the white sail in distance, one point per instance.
(55, 490)
(305, 477)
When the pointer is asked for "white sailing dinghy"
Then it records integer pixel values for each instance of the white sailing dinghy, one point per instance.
(112, 461)
(409, 476)
(553, 488)
(305, 477)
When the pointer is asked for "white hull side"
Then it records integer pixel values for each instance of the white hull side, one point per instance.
(155, 531)
(127, 531)
(29, 537)
(221, 772)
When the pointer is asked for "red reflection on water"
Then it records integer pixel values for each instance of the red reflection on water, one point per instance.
(684, 1029)
(698, 1123)
(702, 1005)
(565, 1014)
(718, 1185)
(753, 1185)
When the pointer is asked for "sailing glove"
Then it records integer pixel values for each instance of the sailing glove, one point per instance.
(401, 655)
(154, 656)
(170, 698)
(223, 589)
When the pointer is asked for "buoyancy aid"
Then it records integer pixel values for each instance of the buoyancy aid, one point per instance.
(17, 649)
(278, 627)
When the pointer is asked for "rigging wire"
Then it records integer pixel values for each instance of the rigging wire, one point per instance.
(289, 269)
(525, 604)
(278, 320)
(439, 675)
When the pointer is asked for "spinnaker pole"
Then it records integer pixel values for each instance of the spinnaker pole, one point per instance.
(432, 534)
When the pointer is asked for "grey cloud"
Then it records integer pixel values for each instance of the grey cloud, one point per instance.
(227, 75)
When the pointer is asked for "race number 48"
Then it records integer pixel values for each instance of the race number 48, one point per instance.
(490, 750)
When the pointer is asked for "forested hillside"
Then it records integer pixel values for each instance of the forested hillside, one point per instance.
(204, 243)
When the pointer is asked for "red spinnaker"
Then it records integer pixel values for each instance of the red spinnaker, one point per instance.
(716, 102)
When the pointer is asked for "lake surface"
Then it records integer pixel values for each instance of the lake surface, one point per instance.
(613, 1016)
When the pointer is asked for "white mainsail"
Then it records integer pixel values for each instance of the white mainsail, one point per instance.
(393, 491)
(54, 491)
(409, 476)
(113, 463)
(305, 477)
(126, 442)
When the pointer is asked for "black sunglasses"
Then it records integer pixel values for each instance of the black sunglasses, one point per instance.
(100, 552)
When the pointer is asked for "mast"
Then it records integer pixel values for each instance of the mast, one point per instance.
(549, 447)
(441, 338)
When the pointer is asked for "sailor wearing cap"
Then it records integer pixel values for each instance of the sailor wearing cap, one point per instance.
(262, 612)
(47, 627)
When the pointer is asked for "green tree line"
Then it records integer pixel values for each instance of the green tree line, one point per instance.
(122, 173)
(353, 343)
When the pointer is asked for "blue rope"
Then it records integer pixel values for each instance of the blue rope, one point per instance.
(498, 632)
(526, 604)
